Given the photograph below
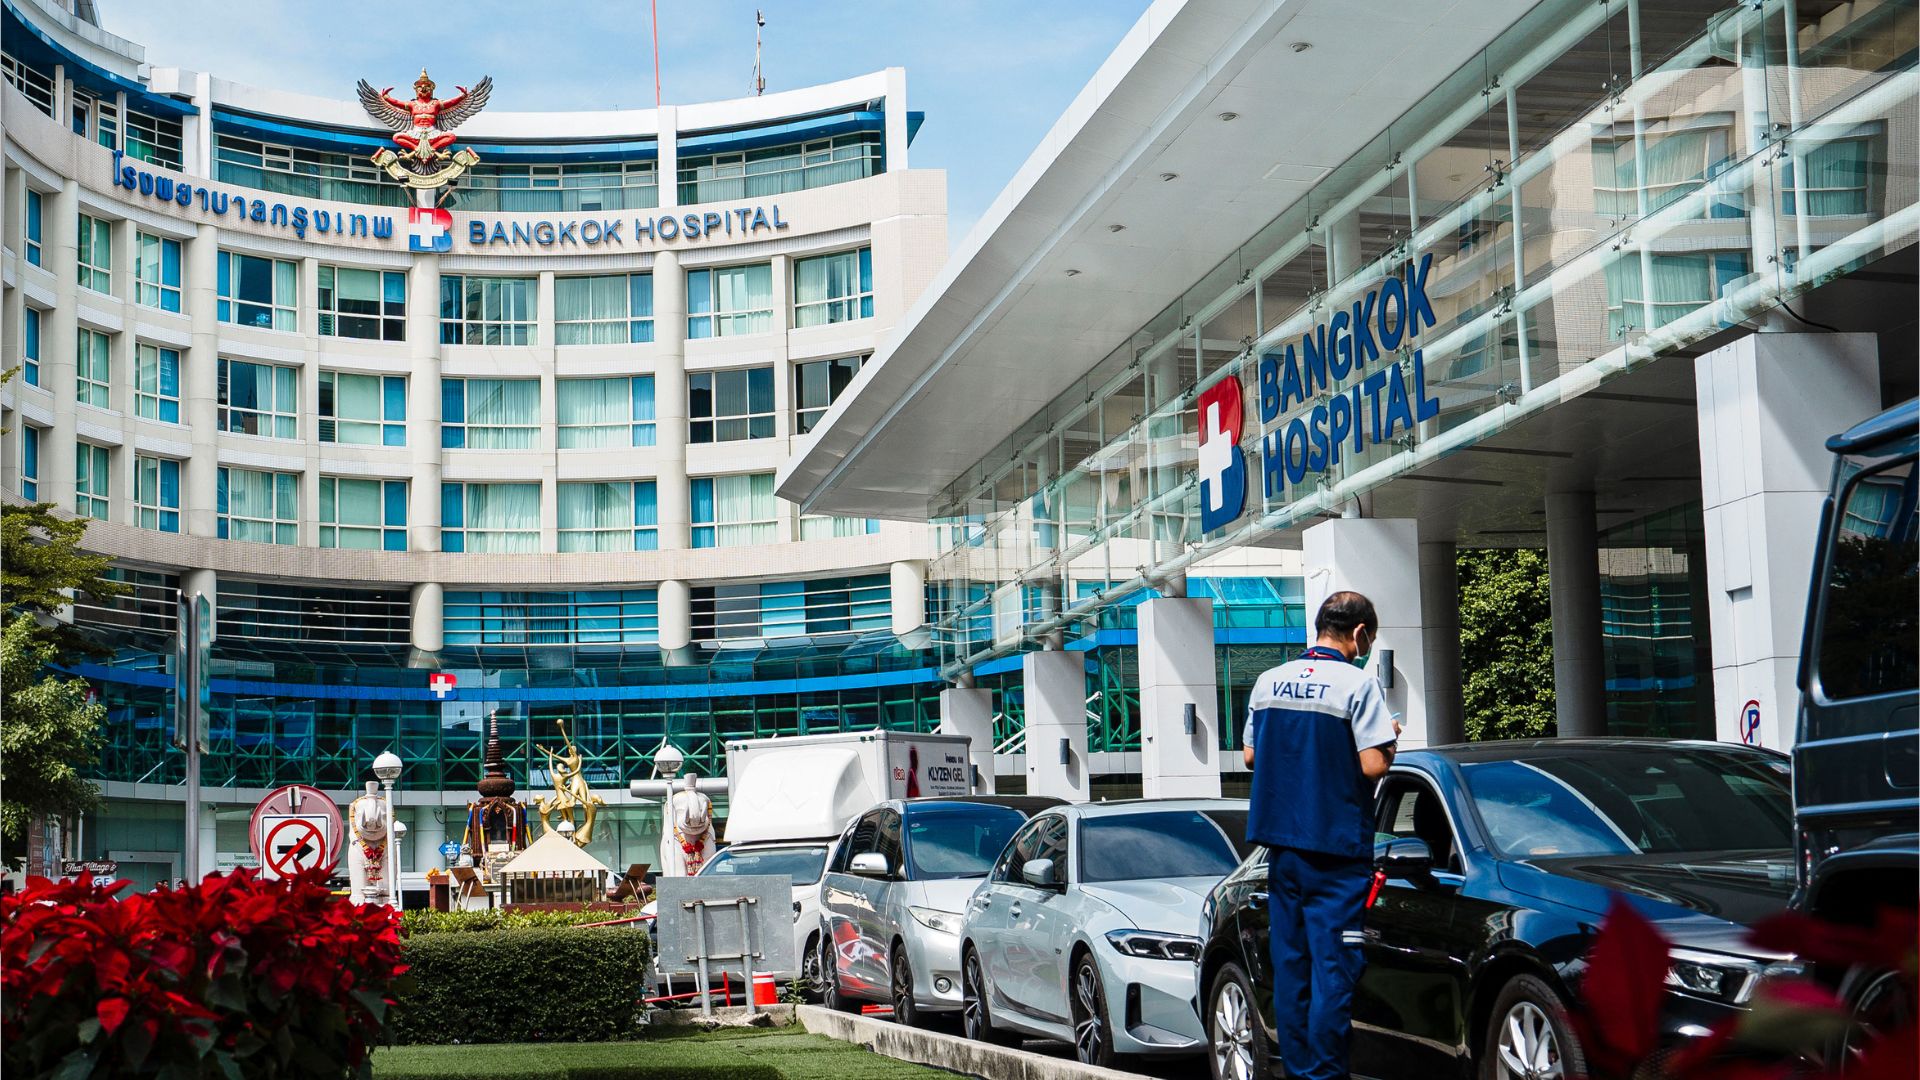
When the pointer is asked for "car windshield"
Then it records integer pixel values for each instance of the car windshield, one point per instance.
(802, 864)
(1160, 844)
(959, 840)
(1617, 801)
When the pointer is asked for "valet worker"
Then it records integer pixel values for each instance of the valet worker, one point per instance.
(1318, 739)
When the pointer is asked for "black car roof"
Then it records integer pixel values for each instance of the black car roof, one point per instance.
(1519, 749)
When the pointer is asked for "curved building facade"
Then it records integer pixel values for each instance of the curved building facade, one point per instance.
(514, 455)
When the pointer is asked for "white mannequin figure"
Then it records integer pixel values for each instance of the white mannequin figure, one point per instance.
(366, 847)
(686, 819)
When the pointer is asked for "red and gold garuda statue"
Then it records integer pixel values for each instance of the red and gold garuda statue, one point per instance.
(423, 127)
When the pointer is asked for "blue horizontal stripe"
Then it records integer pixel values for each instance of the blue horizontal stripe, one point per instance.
(28, 42)
(756, 138)
(335, 140)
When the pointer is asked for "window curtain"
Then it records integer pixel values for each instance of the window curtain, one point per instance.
(590, 310)
(502, 414)
(1681, 283)
(596, 517)
(646, 515)
(1836, 180)
(358, 507)
(594, 412)
(743, 509)
(357, 403)
(643, 426)
(827, 278)
(826, 528)
(503, 517)
(266, 499)
(746, 291)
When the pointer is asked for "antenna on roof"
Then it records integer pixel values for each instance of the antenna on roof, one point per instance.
(759, 75)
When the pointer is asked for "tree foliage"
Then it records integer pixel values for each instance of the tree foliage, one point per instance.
(1506, 644)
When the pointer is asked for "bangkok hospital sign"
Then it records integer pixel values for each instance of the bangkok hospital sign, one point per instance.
(1359, 401)
(433, 230)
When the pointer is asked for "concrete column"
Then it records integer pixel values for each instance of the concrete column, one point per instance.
(896, 119)
(1573, 574)
(429, 832)
(675, 600)
(1056, 697)
(207, 836)
(669, 166)
(59, 334)
(1343, 247)
(969, 711)
(670, 400)
(1767, 404)
(908, 592)
(423, 403)
(207, 583)
(1379, 558)
(200, 382)
(427, 608)
(1440, 601)
(1177, 671)
(548, 355)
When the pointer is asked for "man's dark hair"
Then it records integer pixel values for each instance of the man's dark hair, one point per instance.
(1343, 611)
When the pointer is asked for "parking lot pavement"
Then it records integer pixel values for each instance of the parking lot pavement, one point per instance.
(947, 1050)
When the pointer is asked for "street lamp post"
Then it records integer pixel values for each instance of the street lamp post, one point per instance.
(386, 768)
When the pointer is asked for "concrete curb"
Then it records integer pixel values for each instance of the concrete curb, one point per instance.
(723, 1016)
(944, 1051)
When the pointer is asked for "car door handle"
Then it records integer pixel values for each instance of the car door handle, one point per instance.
(1014, 910)
(1256, 900)
(983, 902)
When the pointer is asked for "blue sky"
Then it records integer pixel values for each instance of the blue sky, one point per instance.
(991, 75)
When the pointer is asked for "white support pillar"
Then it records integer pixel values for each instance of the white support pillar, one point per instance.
(907, 591)
(207, 583)
(1767, 404)
(59, 336)
(429, 832)
(428, 616)
(969, 711)
(1440, 601)
(1573, 587)
(1380, 559)
(200, 384)
(423, 403)
(675, 599)
(1178, 673)
(1055, 682)
(672, 490)
(896, 119)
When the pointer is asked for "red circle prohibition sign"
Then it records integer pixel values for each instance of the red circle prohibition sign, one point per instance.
(285, 861)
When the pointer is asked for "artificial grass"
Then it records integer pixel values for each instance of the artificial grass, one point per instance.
(737, 1054)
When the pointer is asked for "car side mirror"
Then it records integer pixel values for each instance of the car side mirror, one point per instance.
(1040, 873)
(870, 864)
(1404, 857)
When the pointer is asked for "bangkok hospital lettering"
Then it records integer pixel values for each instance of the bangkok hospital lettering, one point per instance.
(742, 221)
(1379, 403)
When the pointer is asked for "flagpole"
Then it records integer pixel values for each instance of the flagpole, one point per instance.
(654, 5)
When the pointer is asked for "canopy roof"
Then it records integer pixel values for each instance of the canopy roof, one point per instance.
(554, 854)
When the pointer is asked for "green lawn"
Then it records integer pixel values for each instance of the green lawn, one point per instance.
(742, 1054)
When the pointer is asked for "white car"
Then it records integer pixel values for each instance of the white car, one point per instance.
(803, 861)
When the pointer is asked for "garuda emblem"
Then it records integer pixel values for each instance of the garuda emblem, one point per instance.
(423, 129)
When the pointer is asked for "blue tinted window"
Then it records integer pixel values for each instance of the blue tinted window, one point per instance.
(959, 840)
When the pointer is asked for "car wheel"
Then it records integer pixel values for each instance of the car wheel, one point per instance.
(901, 987)
(976, 1022)
(1092, 1034)
(1529, 1037)
(830, 993)
(810, 970)
(1236, 1037)
(1878, 1001)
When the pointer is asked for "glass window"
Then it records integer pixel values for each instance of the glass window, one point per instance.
(802, 864)
(92, 480)
(1681, 284)
(814, 527)
(96, 254)
(1867, 624)
(1021, 848)
(156, 271)
(156, 493)
(490, 414)
(34, 84)
(595, 413)
(958, 840)
(29, 462)
(258, 292)
(314, 174)
(94, 367)
(1677, 162)
(259, 399)
(1838, 175)
(33, 227)
(617, 516)
(487, 310)
(833, 288)
(733, 511)
(156, 383)
(30, 346)
(363, 410)
(154, 139)
(1410, 808)
(364, 514)
(817, 385)
(612, 310)
(490, 517)
(367, 304)
(730, 301)
(774, 170)
(588, 616)
(1629, 801)
(729, 406)
(259, 507)
(1156, 845)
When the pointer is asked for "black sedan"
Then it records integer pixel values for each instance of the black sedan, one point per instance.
(1501, 860)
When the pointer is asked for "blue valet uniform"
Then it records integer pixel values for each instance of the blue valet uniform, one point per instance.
(1307, 722)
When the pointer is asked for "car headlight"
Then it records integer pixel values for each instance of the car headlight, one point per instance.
(1154, 945)
(947, 922)
(1723, 978)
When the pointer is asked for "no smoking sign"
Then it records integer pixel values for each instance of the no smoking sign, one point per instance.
(296, 829)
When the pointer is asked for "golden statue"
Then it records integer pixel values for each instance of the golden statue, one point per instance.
(570, 792)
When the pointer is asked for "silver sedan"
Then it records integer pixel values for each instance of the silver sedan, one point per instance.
(1084, 930)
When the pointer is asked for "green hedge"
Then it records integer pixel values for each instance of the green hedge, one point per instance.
(535, 984)
(443, 922)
